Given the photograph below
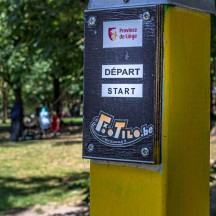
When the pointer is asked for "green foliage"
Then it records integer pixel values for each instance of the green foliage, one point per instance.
(41, 40)
(213, 35)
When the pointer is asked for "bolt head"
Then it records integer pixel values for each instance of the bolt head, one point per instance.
(90, 147)
(125, 1)
(146, 16)
(92, 21)
(145, 152)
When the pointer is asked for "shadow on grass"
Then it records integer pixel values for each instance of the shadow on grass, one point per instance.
(74, 129)
(9, 144)
(23, 188)
(63, 134)
(66, 143)
(4, 128)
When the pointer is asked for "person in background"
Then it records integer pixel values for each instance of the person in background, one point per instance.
(75, 111)
(55, 123)
(16, 121)
(44, 120)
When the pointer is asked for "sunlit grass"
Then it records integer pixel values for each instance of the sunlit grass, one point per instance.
(213, 176)
(38, 172)
(6, 124)
(73, 120)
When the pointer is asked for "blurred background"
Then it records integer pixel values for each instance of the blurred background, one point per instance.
(41, 54)
(41, 94)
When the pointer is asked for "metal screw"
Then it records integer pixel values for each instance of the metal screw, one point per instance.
(125, 1)
(90, 147)
(92, 21)
(146, 16)
(145, 152)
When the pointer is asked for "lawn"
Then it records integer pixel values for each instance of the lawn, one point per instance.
(73, 120)
(213, 175)
(46, 171)
(42, 171)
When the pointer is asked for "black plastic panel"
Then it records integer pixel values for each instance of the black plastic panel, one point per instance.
(121, 128)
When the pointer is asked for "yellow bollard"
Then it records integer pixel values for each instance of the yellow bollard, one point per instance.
(181, 186)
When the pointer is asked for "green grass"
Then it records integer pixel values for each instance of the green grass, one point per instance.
(213, 177)
(44, 171)
(6, 124)
(38, 172)
(73, 120)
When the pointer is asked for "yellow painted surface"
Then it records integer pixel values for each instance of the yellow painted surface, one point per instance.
(182, 188)
(186, 112)
(122, 191)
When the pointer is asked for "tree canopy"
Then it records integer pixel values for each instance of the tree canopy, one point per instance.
(41, 45)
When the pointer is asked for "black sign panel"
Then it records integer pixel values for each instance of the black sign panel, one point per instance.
(122, 82)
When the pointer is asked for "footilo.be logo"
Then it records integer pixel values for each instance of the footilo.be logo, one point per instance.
(112, 34)
(114, 132)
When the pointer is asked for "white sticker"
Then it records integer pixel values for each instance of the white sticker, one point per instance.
(125, 33)
(122, 71)
(122, 90)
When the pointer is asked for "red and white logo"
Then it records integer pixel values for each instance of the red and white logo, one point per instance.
(123, 33)
(112, 34)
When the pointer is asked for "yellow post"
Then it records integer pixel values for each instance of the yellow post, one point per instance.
(182, 186)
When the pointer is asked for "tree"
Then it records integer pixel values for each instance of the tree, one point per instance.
(42, 44)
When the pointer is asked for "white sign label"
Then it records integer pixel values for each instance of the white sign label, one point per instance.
(122, 90)
(125, 33)
(122, 71)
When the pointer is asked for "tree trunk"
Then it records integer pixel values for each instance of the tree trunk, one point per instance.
(4, 104)
(18, 99)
